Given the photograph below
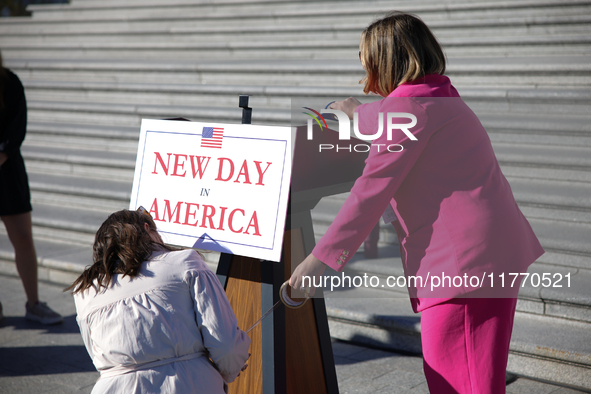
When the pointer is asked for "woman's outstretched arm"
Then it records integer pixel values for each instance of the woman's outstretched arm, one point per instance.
(226, 343)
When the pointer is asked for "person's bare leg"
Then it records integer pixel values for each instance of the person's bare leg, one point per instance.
(20, 233)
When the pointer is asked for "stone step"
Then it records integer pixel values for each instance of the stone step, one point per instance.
(525, 25)
(79, 192)
(516, 172)
(231, 72)
(455, 4)
(533, 72)
(81, 136)
(543, 156)
(536, 124)
(560, 101)
(533, 210)
(524, 136)
(169, 94)
(117, 133)
(91, 164)
(58, 262)
(531, 101)
(563, 237)
(567, 44)
(130, 115)
(280, 12)
(65, 224)
(451, 30)
(280, 33)
(510, 97)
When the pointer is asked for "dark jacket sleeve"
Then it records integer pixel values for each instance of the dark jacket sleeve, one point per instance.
(13, 118)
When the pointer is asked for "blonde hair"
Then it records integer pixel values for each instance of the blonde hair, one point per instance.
(396, 49)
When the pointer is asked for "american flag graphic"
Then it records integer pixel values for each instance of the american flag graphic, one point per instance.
(212, 137)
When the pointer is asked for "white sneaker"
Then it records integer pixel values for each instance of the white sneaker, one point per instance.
(43, 314)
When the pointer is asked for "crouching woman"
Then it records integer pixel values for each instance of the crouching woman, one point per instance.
(153, 319)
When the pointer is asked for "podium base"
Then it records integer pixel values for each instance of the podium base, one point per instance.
(291, 349)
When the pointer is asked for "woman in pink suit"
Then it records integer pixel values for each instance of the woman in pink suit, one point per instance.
(455, 214)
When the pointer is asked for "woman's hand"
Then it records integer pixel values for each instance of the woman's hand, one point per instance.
(347, 106)
(310, 267)
(245, 366)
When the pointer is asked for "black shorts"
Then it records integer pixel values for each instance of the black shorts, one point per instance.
(15, 196)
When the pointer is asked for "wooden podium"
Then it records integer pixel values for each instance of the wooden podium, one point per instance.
(291, 348)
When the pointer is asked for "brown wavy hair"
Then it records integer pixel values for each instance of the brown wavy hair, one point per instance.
(396, 49)
(121, 245)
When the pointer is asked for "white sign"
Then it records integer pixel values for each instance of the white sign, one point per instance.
(221, 187)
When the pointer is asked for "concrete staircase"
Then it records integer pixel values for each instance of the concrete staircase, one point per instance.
(94, 68)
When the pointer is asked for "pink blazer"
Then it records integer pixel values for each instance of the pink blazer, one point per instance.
(456, 211)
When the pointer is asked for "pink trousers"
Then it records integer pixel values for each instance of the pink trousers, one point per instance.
(466, 345)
